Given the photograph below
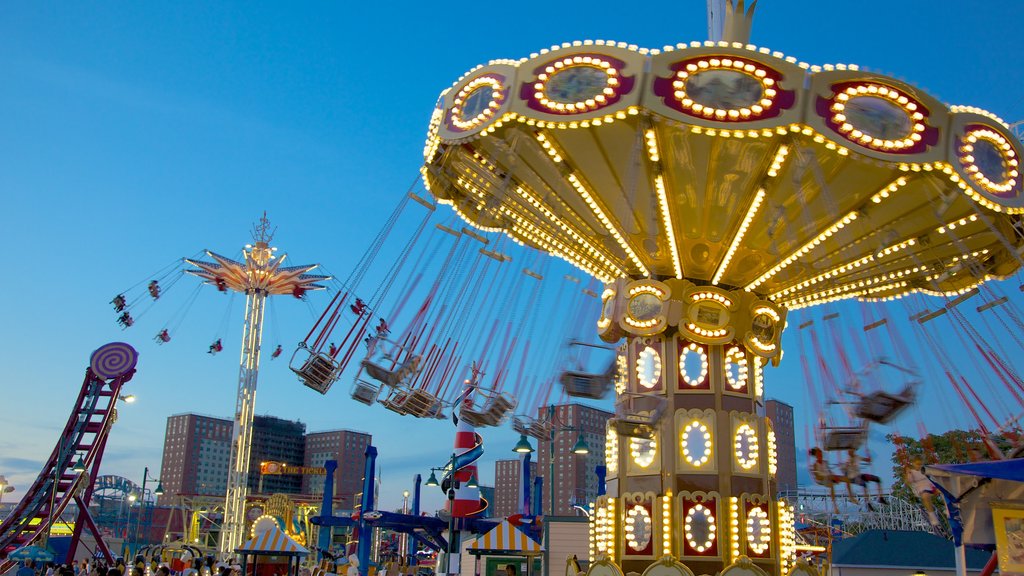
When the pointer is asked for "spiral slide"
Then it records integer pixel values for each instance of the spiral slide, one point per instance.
(469, 447)
(84, 437)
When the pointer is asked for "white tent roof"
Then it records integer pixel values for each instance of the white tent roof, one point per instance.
(272, 541)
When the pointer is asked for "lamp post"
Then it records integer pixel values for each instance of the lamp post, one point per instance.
(453, 485)
(580, 447)
(159, 491)
(404, 548)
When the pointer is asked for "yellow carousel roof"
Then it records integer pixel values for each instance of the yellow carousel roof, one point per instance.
(733, 165)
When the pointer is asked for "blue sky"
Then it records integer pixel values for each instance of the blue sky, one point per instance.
(134, 134)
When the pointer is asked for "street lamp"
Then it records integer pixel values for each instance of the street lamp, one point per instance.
(127, 398)
(580, 447)
(159, 491)
(5, 487)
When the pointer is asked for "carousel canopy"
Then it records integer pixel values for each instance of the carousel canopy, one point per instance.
(729, 164)
(504, 538)
(272, 541)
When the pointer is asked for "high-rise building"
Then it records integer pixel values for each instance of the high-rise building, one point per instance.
(575, 479)
(508, 486)
(349, 449)
(276, 440)
(196, 454)
(781, 416)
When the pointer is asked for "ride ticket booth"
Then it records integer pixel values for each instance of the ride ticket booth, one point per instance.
(502, 545)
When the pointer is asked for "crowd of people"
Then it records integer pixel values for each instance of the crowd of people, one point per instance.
(140, 567)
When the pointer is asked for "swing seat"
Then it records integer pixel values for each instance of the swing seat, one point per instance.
(844, 438)
(414, 402)
(882, 407)
(365, 392)
(493, 412)
(386, 370)
(580, 384)
(638, 415)
(539, 429)
(318, 371)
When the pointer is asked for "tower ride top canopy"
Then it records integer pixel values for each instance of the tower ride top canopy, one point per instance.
(731, 165)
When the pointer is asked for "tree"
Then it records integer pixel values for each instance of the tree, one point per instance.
(952, 447)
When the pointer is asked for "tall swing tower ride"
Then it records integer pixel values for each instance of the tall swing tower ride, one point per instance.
(258, 276)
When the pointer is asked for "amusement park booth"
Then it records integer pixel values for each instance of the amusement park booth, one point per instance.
(986, 504)
(271, 553)
(504, 544)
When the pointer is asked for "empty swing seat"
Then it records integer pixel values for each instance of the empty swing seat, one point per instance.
(882, 407)
(638, 415)
(531, 427)
(580, 384)
(492, 413)
(365, 392)
(318, 371)
(389, 374)
(414, 402)
(844, 438)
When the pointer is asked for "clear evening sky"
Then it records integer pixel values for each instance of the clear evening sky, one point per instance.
(132, 134)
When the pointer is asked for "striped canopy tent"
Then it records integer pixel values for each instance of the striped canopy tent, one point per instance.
(504, 539)
(269, 543)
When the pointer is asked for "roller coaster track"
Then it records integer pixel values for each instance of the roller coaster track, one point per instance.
(84, 435)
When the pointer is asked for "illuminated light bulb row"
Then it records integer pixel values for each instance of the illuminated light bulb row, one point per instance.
(548, 147)
(734, 528)
(643, 451)
(470, 187)
(694, 348)
(800, 252)
(768, 91)
(610, 526)
(769, 132)
(666, 222)
(551, 244)
(759, 375)
(646, 289)
(777, 162)
(433, 141)
(974, 195)
(600, 530)
(648, 355)
(1009, 157)
(698, 296)
(592, 532)
(953, 225)
(607, 223)
(826, 275)
(480, 82)
(611, 450)
(881, 91)
(561, 125)
(483, 161)
(738, 237)
(692, 459)
(767, 311)
(666, 523)
(759, 530)
(716, 333)
(888, 190)
(709, 521)
(591, 250)
(611, 83)
(773, 461)
(747, 460)
(896, 248)
(652, 145)
(642, 324)
(621, 376)
(465, 217)
(856, 285)
(979, 111)
(735, 355)
(637, 514)
(787, 536)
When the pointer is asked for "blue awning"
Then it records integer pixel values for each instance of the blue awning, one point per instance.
(1012, 470)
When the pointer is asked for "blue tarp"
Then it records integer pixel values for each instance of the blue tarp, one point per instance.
(1012, 470)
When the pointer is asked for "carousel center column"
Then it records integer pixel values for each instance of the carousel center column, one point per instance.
(691, 457)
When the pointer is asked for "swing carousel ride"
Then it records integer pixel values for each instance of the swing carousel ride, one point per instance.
(712, 187)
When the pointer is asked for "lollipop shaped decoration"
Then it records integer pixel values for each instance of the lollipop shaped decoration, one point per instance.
(113, 360)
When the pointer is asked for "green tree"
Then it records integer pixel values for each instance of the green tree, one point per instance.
(952, 447)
